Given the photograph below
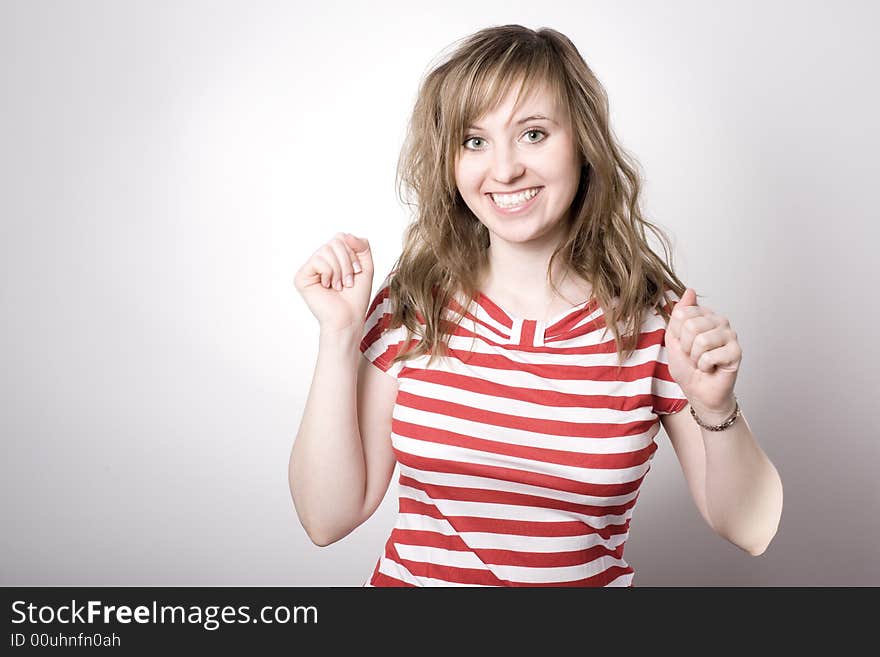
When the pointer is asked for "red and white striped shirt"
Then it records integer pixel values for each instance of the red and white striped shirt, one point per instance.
(521, 462)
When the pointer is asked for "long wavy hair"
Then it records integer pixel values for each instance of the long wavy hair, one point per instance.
(445, 245)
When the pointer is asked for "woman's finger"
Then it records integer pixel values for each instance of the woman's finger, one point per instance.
(329, 255)
(679, 316)
(726, 357)
(710, 340)
(691, 329)
(346, 271)
(355, 261)
(323, 268)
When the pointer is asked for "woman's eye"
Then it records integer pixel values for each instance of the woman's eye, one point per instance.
(527, 132)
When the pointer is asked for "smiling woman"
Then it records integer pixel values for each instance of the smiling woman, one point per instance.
(531, 115)
(533, 174)
(490, 177)
(522, 429)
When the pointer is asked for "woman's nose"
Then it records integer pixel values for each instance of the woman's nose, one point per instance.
(506, 164)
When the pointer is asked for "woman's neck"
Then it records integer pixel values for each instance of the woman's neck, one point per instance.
(525, 290)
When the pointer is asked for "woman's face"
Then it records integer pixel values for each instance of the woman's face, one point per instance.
(503, 154)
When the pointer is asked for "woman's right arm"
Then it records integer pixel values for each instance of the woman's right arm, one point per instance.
(341, 461)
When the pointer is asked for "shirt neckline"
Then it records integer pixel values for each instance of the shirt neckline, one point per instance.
(484, 299)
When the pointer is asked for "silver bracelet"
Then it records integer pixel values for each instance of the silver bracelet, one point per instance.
(723, 425)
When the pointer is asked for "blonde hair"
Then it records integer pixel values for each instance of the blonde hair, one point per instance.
(445, 245)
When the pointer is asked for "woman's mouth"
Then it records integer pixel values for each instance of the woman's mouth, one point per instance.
(515, 203)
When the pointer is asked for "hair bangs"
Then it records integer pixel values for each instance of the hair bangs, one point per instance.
(526, 70)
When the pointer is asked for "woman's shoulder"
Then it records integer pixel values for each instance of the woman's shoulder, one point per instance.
(385, 292)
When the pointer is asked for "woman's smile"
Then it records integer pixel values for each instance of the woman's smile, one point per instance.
(521, 202)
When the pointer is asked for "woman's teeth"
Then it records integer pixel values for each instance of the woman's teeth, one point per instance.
(512, 200)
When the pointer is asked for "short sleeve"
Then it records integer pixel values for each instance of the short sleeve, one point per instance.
(666, 394)
(379, 344)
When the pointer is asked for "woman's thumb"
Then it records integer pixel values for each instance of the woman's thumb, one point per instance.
(360, 246)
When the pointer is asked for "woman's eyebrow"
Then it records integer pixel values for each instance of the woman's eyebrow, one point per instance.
(533, 117)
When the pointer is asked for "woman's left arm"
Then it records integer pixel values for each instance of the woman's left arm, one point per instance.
(743, 490)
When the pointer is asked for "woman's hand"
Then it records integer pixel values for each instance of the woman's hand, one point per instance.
(704, 357)
(322, 282)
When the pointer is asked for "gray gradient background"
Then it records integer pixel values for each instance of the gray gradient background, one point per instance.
(167, 167)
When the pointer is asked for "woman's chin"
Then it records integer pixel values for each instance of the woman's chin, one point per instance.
(526, 231)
